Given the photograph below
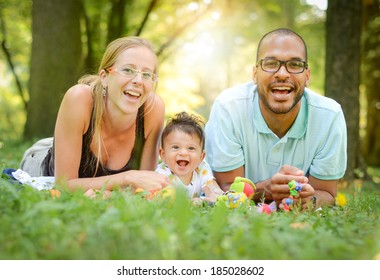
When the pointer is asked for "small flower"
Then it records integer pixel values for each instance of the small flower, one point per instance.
(55, 193)
(340, 199)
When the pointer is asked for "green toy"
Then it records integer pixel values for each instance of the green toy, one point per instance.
(244, 185)
(240, 194)
(232, 200)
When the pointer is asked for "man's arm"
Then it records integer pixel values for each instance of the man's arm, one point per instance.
(276, 188)
(325, 191)
(263, 191)
(225, 179)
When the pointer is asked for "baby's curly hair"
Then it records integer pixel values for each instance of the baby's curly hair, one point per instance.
(188, 123)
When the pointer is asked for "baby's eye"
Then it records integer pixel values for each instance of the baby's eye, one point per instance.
(192, 148)
(175, 147)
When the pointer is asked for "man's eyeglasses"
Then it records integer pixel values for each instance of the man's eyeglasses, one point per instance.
(273, 65)
(132, 73)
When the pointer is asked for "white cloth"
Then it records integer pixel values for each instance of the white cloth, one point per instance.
(38, 183)
(34, 156)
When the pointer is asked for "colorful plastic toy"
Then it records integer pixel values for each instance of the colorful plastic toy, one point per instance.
(294, 188)
(267, 208)
(286, 207)
(244, 185)
(240, 194)
(232, 200)
(166, 193)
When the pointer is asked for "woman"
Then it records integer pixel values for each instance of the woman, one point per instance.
(108, 125)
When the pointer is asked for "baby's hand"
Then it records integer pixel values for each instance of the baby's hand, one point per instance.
(212, 191)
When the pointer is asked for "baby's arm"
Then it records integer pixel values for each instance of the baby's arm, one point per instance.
(212, 191)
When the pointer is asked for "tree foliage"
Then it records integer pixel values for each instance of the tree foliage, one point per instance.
(203, 47)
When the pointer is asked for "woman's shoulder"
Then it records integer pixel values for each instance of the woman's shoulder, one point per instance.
(154, 117)
(78, 96)
(77, 105)
(79, 91)
(158, 103)
(155, 109)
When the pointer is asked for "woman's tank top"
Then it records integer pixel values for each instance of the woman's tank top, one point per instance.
(88, 161)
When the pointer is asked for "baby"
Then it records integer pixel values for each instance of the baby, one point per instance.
(182, 153)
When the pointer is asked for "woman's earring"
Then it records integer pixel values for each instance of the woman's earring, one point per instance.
(104, 91)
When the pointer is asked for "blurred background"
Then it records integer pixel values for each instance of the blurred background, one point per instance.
(204, 46)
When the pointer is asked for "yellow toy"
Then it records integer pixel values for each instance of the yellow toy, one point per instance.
(232, 200)
(166, 193)
(240, 194)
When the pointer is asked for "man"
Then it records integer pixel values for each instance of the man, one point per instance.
(274, 129)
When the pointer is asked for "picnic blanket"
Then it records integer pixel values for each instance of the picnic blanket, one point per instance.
(38, 183)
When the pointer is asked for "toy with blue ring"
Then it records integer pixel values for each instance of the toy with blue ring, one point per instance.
(294, 188)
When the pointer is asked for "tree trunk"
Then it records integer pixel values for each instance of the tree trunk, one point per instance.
(55, 61)
(371, 81)
(343, 69)
(117, 19)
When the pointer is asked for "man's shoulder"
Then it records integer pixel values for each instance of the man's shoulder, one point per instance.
(319, 101)
(238, 92)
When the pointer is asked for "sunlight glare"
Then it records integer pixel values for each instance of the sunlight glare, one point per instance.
(321, 4)
(193, 6)
(215, 15)
(202, 47)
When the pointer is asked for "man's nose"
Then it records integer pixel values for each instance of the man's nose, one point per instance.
(282, 72)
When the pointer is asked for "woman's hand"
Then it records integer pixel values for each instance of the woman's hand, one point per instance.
(147, 180)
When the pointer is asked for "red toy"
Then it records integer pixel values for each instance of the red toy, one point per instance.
(267, 208)
(244, 185)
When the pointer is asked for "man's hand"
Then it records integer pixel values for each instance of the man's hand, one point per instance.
(280, 189)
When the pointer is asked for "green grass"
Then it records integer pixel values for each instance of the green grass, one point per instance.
(33, 225)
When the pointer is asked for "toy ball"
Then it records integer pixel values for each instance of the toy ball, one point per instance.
(289, 201)
(243, 185)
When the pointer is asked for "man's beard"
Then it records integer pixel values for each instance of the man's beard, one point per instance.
(276, 110)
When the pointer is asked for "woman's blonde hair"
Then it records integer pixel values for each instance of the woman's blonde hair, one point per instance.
(113, 50)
